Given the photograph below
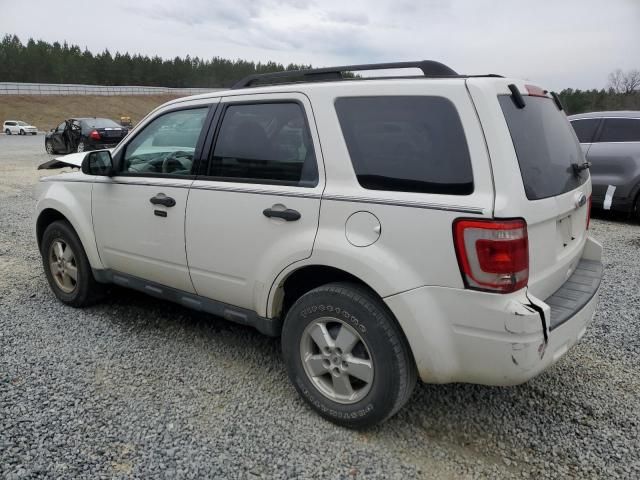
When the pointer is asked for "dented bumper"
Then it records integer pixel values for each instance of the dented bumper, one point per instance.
(466, 336)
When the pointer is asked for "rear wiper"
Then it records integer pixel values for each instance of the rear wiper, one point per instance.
(578, 167)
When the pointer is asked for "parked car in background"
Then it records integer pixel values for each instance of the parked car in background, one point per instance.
(611, 142)
(18, 127)
(82, 134)
(386, 228)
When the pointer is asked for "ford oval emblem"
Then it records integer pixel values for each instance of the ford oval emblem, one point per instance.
(581, 200)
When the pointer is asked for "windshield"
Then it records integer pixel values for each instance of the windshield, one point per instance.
(546, 146)
(22, 124)
(100, 123)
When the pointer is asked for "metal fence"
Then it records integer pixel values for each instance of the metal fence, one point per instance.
(12, 88)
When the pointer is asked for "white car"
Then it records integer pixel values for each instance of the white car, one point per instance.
(18, 127)
(431, 226)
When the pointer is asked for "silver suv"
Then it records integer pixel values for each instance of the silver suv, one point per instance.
(611, 142)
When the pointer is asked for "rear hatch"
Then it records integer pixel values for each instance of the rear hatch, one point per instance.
(539, 175)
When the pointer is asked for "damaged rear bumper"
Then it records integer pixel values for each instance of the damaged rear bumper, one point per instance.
(466, 336)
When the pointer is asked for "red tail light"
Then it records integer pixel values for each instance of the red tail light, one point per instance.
(493, 255)
(588, 212)
(95, 135)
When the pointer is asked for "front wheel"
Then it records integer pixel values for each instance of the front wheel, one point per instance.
(21, 132)
(67, 268)
(49, 148)
(347, 356)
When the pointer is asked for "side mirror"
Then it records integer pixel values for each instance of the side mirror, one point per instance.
(98, 163)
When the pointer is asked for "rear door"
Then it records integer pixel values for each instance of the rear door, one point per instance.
(615, 157)
(255, 209)
(587, 131)
(539, 176)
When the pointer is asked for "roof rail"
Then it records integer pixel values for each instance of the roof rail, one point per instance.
(430, 68)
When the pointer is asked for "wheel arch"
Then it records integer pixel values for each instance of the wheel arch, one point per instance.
(295, 283)
(59, 203)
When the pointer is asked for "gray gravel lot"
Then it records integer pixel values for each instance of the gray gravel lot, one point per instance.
(136, 387)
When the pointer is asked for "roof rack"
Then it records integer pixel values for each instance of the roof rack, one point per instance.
(430, 68)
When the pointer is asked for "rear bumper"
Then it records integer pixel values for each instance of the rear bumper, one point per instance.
(475, 337)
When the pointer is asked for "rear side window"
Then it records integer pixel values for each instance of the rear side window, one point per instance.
(585, 129)
(406, 143)
(620, 130)
(545, 145)
(265, 143)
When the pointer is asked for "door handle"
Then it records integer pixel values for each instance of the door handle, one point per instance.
(289, 214)
(162, 199)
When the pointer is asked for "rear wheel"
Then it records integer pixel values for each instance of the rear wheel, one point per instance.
(67, 268)
(346, 355)
(7, 131)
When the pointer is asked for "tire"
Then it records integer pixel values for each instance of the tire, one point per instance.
(636, 209)
(81, 147)
(380, 344)
(84, 290)
(21, 132)
(7, 132)
(49, 148)
(34, 133)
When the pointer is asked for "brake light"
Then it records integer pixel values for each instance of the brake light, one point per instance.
(536, 91)
(588, 212)
(95, 135)
(493, 255)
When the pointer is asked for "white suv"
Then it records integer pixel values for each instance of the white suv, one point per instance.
(18, 127)
(386, 228)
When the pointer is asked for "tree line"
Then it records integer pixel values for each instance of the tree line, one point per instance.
(43, 62)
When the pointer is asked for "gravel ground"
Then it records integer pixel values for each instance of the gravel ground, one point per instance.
(136, 387)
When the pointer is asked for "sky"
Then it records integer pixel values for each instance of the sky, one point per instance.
(557, 44)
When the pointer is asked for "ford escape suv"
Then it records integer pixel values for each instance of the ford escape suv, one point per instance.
(433, 226)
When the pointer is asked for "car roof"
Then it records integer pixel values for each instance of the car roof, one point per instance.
(607, 114)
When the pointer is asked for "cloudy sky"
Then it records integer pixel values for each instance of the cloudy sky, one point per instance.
(557, 43)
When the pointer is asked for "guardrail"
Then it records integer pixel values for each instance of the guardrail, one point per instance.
(14, 88)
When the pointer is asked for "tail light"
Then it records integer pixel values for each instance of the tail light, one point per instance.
(493, 255)
(94, 135)
(588, 212)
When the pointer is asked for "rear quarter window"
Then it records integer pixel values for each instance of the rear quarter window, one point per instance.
(545, 145)
(406, 143)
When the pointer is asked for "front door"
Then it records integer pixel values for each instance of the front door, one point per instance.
(139, 213)
(57, 139)
(255, 210)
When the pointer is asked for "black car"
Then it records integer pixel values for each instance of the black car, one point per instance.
(81, 134)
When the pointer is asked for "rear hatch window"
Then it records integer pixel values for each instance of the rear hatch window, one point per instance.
(546, 147)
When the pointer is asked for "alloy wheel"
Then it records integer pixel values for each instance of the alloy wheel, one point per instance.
(336, 360)
(64, 269)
